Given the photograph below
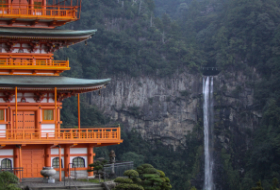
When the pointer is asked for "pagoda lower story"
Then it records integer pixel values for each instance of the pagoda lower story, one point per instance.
(31, 135)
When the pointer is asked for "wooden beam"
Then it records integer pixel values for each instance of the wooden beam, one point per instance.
(79, 120)
(55, 106)
(60, 178)
(16, 120)
(20, 161)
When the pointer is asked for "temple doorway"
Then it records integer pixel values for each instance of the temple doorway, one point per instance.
(26, 121)
(32, 162)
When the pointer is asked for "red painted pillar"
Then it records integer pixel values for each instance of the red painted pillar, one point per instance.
(16, 160)
(90, 156)
(79, 120)
(66, 159)
(48, 156)
(20, 162)
(59, 150)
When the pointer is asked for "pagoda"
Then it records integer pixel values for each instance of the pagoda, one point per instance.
(32, 91)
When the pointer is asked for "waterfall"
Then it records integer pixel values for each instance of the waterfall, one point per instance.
(208, 120)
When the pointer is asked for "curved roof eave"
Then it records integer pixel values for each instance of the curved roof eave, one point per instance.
(44, 32)
(49, 81)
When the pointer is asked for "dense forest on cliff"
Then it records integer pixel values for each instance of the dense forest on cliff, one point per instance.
(161, 37)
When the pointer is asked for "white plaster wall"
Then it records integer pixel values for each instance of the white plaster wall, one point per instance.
(54, 151)
(23, 73)
(84, 157)
(45, 73)
(8, 158)
(6, 152)
(2, 132)
(47, 128)
(51, 100)
(78, 150)
(30, 100)
(62, 158)
(44, 100)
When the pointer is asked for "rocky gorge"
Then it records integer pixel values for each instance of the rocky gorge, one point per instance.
(168, 108)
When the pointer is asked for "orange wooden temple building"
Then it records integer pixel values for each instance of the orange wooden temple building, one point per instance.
(32, 90)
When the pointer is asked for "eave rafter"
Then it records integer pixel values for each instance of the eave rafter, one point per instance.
(50, 46)
(39, 95)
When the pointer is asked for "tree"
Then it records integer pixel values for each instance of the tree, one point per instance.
(153, 179)
(275, 183)
(259, 186)
(97, 167)
(130, 183)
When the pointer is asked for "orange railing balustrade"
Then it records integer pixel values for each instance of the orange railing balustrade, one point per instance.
(39, 11)
(88, 134)
(30, 63)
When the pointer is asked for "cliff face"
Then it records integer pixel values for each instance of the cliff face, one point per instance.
(167, 108)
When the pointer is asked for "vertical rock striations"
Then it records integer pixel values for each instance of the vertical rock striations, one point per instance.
(167, 108)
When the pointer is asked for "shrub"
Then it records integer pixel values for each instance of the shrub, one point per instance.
(8, 181)
(123, 180)
(131, 173)
(124, 186)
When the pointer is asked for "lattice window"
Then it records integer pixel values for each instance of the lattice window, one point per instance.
(2, 3)
(48, 115)
(55, 163)
(1, 115)
(79, 162)
(6, 163)
(37, 5)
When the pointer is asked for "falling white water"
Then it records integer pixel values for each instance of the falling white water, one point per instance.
(207, 119)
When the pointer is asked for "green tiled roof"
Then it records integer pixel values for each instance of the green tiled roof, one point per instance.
(47, 81)
(33, 32)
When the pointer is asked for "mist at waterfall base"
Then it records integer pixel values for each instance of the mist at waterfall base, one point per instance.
(208, 123)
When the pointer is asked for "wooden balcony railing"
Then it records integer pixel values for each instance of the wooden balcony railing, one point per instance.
(56, 12)
(33, 64)
(63, 135)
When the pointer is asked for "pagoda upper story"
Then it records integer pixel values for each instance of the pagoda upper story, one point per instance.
(38, 13)
(29, 51)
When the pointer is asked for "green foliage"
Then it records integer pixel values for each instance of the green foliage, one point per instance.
(259, 186)
(153, 179)
(124, 186)
(97, 166)
(131, 174)
(123, 180)
(8, 181)
(129, 156)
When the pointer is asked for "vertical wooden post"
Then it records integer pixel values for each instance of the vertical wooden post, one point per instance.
(79, 120)
(48, 156)
(20, 160)
(60, 178)
(31, 6)
(16, 120)
(66, 159)
(16, 160)
(55, 107)
(119, 132)
(90, 157)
